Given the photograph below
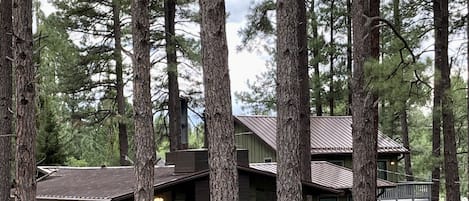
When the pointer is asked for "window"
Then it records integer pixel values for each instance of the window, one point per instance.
(382, 170)
(267, 160)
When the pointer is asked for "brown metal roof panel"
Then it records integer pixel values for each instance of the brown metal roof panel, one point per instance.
(331, 134)
(325, 174)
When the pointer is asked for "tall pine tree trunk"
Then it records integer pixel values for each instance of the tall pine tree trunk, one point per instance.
(449, 135)
(315, 48)
(363, 106)
(437, 96)
(143, 116)
(123, 139)
(6, 94)
(174, 105)
(221, 143)
(331, 61)
(406, 143)
(349, 56)
(25, 102)
(289, 100)
(304, 110)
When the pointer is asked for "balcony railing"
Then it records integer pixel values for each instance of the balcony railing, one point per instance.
(408, 191)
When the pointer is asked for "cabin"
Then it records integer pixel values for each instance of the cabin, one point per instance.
(331, 140)
(187, 180)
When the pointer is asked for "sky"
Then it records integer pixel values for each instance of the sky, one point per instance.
(243, 65)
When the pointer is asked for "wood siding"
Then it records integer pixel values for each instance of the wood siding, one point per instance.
(258, 151)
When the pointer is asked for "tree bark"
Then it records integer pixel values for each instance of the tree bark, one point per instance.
(289, 100)
(449, 136)
(317, 79)
(406, 143)
(331, 62)
(6, 95)
(363, 106)
(174, 105)
(349, 56)
(437, 97)
(25, 102)
(143, 116)
(221, 143)
(304, 109)
(123, 139)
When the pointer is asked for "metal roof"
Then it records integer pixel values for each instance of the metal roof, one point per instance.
(93, 184)
(325, 174)
(116, 183)
(329, 134)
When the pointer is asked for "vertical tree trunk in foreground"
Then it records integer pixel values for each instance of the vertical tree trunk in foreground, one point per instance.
(221, 143)
(449, 135)
(143, 116)
(123, 139)
(289, 99)
(6, 94)
(25, 102)
(363, 108)
(174, 105)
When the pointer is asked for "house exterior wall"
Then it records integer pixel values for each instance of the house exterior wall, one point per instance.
(258, 150)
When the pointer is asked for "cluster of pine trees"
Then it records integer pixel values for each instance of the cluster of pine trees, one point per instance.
(410, 75)
(68, 104)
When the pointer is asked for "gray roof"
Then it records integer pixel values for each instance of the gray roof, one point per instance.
(96, 183)
(329, 134)
(325, 174)
(116, 183)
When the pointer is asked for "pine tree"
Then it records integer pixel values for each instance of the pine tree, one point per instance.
(449, 135)
(143, 115)
(218, 115)
(364, 121)
(174, 106)
(290, 55)
(437, 98)
(25, 102)
(6, 95)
